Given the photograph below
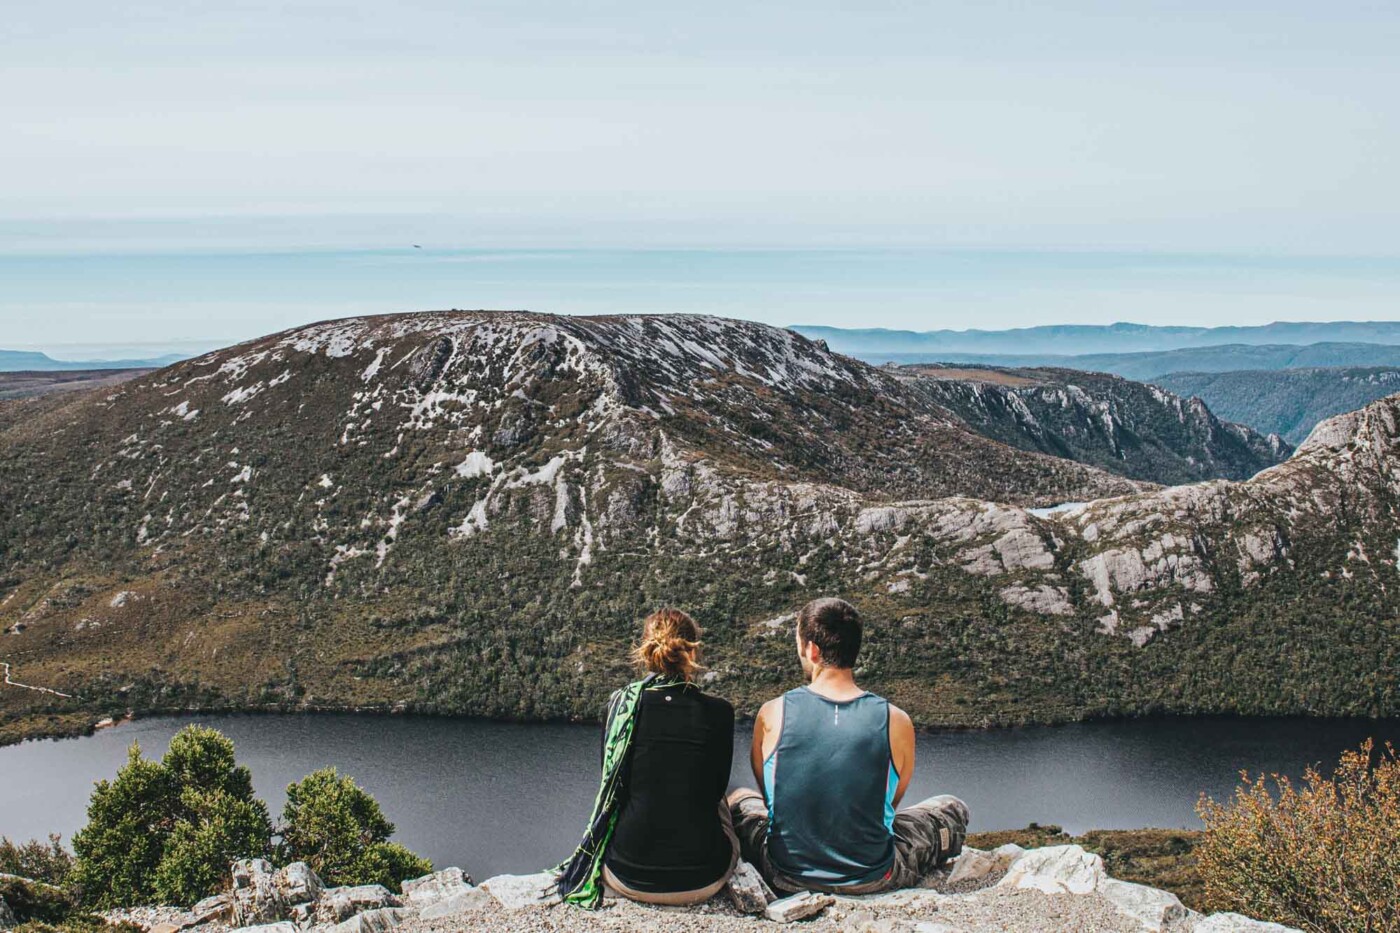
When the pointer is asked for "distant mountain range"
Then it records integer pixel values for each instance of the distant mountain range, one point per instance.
(1147, 366)
(1079, 339)
(467, 512)
(12, 361)
(1283, 389)
(1289, 402)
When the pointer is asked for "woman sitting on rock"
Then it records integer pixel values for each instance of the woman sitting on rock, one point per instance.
(661, 830)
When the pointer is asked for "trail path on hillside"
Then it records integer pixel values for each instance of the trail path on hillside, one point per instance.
(15, 683)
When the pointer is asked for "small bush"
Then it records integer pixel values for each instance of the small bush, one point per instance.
(1324, 857)
(217, 829)
(35, 900)
(167, 831)
(41, 861)
(340, 831)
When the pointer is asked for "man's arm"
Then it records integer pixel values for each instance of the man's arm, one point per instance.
(901, 749)
(766, 728)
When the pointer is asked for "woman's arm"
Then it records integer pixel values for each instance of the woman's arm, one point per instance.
(721, 747)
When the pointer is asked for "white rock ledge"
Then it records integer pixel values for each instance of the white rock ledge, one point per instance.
(1010, 890)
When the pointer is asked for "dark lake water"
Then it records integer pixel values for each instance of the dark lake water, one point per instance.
(497, 797)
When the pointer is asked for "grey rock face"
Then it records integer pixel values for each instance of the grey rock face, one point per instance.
(1238, 923)
(283, 926)
(215, 906)
(440, 885)
(747, 889)
(1056, 870)
(297, 884)
(337, 904)
(798, 907)
(1154, 908)
(373, 921)
(457, 903)
(256, 900)
(7, 916)
(517, 891)
(971, 865)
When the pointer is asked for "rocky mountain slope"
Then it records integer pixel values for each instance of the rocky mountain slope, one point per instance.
(467, 512)
(1289, 402)
(1135, 430)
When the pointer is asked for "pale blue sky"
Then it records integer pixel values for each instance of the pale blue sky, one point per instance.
(1243, 135)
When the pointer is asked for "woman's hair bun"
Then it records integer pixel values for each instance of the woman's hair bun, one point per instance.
(670, 644)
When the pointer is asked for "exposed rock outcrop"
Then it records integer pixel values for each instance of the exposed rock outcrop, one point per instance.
(1010, 889)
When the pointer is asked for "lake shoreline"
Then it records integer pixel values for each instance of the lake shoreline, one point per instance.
(496, 797)
(77, 725)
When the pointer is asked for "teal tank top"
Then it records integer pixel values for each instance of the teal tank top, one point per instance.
(830, 785)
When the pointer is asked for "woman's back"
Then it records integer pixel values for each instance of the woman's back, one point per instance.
(669, 835)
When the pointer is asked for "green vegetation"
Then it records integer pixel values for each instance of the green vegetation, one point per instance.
(49, 861)
(166, 832)
(1289, 402)
(339, 830)
(1324, 856)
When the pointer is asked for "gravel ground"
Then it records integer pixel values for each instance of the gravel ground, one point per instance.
(1001, 910)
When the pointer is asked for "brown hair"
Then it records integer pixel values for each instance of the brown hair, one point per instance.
(670, 644)
(834, 626)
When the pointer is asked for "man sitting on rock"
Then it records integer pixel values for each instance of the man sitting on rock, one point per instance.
(834, 762)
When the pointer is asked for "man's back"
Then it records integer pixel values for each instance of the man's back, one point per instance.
(830, 783)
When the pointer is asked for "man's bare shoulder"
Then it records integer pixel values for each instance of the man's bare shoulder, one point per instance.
(771, 710)
(900, 719)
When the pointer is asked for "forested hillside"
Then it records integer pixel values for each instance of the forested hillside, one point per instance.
(1289, 403)
(467, 512)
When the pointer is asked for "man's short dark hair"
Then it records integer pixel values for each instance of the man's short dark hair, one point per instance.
(834, 626)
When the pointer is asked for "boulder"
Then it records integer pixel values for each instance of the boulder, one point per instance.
(1007, 854)
(282, 926)
(972, 865)
(798, 907)
(1239, 923)
(218, 907)
(337, 904)
(256, 900)
(928, 926)
(7, 916)
(747, 889)
(517, 891)
(297, 884)
(1055, 870)
(457, 903)
(373, 921)
(440, 885)
(1154, 908)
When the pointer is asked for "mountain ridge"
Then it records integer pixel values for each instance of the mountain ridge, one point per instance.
(34, 361)
(465, 513)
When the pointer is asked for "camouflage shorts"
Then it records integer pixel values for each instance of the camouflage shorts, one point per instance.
(926, 835)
